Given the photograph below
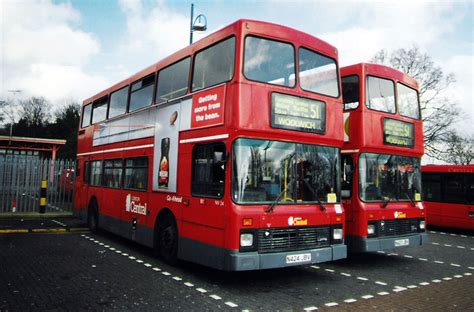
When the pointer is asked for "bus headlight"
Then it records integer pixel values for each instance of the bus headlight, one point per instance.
(337, 234)
(422, 225)
(371, 229)
(246, 239)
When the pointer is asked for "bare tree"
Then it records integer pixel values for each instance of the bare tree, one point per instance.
(439, 112)
(459, 151)
(35, 112)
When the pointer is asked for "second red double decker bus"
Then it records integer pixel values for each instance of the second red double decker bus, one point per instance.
(226, 153)
(381, 186)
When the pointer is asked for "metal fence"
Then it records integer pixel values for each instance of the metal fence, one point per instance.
(20, 184)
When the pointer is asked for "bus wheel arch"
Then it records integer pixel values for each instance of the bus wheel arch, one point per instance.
(166, 236)
(93, 215)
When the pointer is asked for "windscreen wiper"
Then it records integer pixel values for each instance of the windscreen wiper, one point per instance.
(385, 202)
(411, 200)
(277, 200)
(311, 189)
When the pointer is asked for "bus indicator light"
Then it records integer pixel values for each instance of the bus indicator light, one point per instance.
(247, 222)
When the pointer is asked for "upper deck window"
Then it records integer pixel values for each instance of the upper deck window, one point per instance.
(173, 81)
(269, 61)
(118, 102)
(408, 104)
(141, 94)
(350, 92)
(214, 65)
(380, 94)
(318, 73)
(86, 115)
(99, 110)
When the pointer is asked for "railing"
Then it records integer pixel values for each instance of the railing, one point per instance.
(20, 184)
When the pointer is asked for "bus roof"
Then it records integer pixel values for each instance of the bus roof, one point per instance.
(448, 168)
(379, 71)
(247, 26)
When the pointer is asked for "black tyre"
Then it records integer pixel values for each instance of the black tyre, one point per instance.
(93, 217)
(168, 240)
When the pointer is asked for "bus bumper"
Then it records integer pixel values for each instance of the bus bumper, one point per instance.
(244, 261)
(364, 244)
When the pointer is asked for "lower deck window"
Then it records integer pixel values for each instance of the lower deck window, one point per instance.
(136, 173)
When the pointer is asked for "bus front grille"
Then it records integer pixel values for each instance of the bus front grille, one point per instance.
(397, 227)
(290, 239)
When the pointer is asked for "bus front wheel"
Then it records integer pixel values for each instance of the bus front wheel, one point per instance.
(168, 240)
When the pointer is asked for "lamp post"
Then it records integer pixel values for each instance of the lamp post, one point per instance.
(12, 119)
(198, 24)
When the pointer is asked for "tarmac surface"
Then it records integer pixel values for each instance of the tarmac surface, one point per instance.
(54, 263)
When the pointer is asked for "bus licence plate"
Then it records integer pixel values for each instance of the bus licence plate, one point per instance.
(402, 242)
(298, 258)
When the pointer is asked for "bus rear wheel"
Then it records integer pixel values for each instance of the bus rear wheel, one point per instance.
(168, 240)
(93, 217)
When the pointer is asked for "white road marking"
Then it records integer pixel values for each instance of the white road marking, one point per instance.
(436, 281)
(201, 290)
(215, 297)
(470, 268)
(412, 286)
(437, 261)
(345, 274)
(455, 265)
(448, 245)
(423, 259)
(176, 278)
(435, 244)
(458, 276)
(131, 258)
(381, 251)
(189, 284)
(147, 265)
(157, 269)
(350, 300)
(447, 278)
(139, 261)
(362, 278)
(329, 270)
(125, 254)
(166, 273)
(331, 304)
(424, 283)
(461, 247)
(381, 283)
(398, 289)
(315, 267)
(231, 304)
(468, 274)
(383, 293)
(367, 297)
(407, 256)
(310, 309)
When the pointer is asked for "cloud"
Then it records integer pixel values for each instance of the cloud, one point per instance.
(153, 32)
(44, 51)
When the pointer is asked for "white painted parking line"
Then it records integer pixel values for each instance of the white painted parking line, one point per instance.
(125, 254)
(111, 248)
(131, 258)
(147, 265)
(166, 273)
(408, 256)
(437, 261)
(367, 297)
(139, 261)
(189, 284)
(461, 247)
(176, 278)
(412, 286)
(458, 276)
(468, 274)
(422, 259)
(399, 289)
(454, 265)
(215, 297)
(201, 290)
(350, 300)
(362, 278)
(448, 245)
(157, 269)
(447, 278)
(345, 274)
(383, 293)
(315, 267)
(381, 283)
(436, 244)
(329, 270)
(310, 309)
(424, 283)
(436, 281)
(470, 268)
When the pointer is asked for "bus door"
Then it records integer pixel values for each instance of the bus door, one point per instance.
(82, 185)
(206, 210)
(347, 186)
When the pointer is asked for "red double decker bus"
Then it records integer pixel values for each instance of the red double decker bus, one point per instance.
(383, 145)
(226, 153)
(448, 195)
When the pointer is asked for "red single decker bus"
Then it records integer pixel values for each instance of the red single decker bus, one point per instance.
(448, 195)
(383, 145)
(226, 153)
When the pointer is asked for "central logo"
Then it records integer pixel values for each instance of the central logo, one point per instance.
(132, 204)
(295, 221)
